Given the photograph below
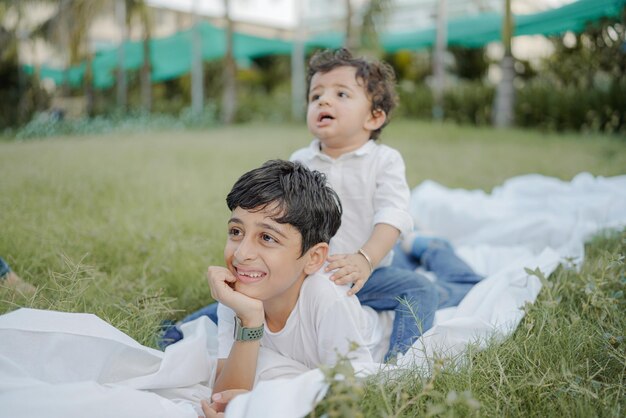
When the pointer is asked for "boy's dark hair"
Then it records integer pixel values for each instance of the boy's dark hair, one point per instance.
(296, 195)
(378, 77)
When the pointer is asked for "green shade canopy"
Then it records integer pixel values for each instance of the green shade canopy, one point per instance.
(479, 30)
(171, 57)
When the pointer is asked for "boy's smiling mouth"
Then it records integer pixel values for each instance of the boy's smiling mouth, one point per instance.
(249, 276)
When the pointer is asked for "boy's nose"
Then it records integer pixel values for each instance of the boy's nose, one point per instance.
(245, 250)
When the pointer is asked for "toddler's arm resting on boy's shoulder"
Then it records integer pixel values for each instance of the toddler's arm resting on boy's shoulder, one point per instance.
(355, 268)
(390, 203)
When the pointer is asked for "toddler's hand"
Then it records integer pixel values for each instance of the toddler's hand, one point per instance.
(350, 268)
(222, 282)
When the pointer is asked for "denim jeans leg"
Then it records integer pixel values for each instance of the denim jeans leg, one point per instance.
(413, 298)
(404, 260)
(454, 277)
(171, 330)
(209, 310)
(4, 268)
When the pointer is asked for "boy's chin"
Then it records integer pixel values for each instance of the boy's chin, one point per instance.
(243, 289)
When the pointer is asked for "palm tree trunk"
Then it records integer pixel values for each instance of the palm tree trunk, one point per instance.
(502, 115)
(121, 72)
(146, 68)
(89, 91)
(67, 41)
(439, 70)
(298, 77)
(229, 94)
(197, 68)
(350, 41)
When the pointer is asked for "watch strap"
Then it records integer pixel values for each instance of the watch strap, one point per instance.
(247, 334)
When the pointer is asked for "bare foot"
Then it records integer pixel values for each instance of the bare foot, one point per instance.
(13, 281)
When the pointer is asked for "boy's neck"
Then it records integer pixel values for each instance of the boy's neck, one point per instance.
(336, 150)
(278, 310)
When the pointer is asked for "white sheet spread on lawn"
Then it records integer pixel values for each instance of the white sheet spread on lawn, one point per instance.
(74, 365)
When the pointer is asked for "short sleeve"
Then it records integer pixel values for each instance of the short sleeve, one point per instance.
(335, 337)
(392, 195)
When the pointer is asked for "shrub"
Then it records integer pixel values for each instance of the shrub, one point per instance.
(416, 100)
(551, 107)
(469, 102)
(43, 126)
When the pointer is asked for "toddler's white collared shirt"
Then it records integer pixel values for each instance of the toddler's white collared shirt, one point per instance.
(371, 183)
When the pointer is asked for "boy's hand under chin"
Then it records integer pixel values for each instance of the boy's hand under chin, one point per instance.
(350, 268)
(221, 281)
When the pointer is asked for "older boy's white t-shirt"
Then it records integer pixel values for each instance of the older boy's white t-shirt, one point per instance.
(371, 183)
(323, 323)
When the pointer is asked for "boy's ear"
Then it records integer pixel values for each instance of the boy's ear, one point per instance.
(316, 257)
(375, 120)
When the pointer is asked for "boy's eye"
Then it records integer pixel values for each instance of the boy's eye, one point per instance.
(342, 94)
(314, 97)
(234, 232)
(267, 238)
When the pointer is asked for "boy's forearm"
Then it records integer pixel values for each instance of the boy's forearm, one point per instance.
(382, 240)
(239, 369)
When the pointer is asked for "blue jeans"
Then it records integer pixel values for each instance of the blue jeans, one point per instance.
(410, 295)
(387, 286)
(209, 310)
(454, 277)
(170, 330)
(4, 268)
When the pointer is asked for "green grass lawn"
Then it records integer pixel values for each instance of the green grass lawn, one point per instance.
(124, 226)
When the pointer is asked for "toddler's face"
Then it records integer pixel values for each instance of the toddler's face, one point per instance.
(339, 111)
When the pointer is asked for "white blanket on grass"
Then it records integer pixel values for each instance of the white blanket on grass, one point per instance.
(73, 365)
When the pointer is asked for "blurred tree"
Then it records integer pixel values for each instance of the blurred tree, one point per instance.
(589, 59)
(502, 115)
(122, 18)
(67, 31)
(411, 65)
(67, 28)
(591, 68)
(524, 70)
(229, 94)
(274, 70)
(469, 63)
(374, 12)
(197, 63)
(16, 87)
(350, 41)
(363, 36)
(140, 9)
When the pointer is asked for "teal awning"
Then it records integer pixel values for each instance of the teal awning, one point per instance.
(479, 30)
(171, 56)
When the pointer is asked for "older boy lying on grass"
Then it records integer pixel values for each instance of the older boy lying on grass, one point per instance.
(271, 291)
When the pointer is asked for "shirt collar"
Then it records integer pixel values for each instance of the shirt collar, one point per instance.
(363, 150)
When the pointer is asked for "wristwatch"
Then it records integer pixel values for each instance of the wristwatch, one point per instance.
(247, 334)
